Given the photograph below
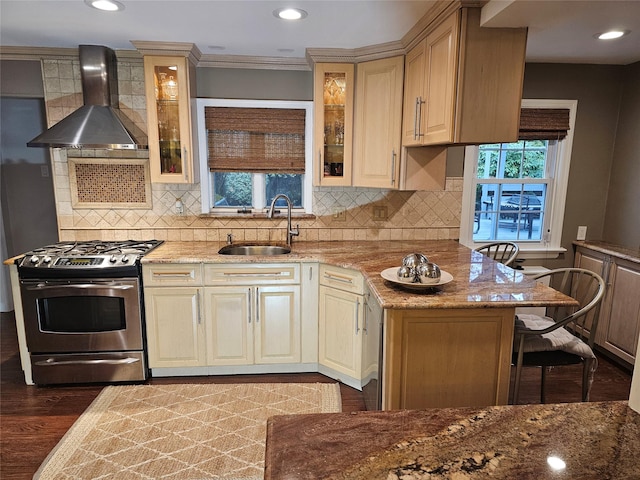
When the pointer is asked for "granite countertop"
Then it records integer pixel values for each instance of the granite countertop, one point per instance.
(611, 249)
(595, 440)
(477, 280)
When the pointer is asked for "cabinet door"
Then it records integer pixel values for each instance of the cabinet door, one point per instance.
(620, 332)
(333, 123)
(378, 123)
(596, 262)
(277, 324)
(340, 335)
(168, 95)
(414, 91)
(175, 328)
(230, 317)
(440, 83)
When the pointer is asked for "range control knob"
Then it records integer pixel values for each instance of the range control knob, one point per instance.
(125, 259)
(46, 259)
(34, 259)
(113, 259)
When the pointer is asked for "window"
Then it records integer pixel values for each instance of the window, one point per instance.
(516, 191)
(253, 150)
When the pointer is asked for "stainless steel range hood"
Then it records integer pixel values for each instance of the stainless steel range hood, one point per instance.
(97, 124)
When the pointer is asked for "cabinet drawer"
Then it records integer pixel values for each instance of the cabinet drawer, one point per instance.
(342, 279)
(172, 274)
(252, 274)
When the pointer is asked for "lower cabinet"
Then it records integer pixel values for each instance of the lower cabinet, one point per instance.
(175, 327)
(222, 315)
(253, 324)
(619, 321)
(345, 334)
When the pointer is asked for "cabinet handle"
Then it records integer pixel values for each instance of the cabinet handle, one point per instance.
(415, 118)
(253, 274)
(393, 167)
(419, 131)
(171, 274)
(257, 305)
(357, 316)
(249, 304)
(310, 273)
(320, 163)
(185, 156)
(198, 307)
(332, 276)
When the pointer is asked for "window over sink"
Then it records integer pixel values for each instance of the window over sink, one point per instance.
(253, 150)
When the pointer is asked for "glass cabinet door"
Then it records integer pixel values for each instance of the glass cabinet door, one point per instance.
(333, 98)
(168, 107)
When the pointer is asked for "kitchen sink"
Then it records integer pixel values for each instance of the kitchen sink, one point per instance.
(254, 250)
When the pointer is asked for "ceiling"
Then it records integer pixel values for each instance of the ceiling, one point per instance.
(559, 30)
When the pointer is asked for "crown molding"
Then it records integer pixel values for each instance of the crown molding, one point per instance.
(355, 55)
(254, 62)
(179, 49)
(56, 53)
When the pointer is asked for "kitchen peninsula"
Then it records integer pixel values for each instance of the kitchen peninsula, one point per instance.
(445, 347)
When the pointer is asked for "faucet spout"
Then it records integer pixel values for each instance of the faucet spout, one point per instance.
(290, 232)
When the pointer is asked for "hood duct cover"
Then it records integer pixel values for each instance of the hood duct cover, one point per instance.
(97, 124)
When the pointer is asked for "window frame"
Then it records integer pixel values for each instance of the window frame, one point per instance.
(258, 179)
(550, 244)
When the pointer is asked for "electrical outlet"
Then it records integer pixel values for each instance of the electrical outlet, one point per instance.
(380, 213)
(582, 233)
(339, 214)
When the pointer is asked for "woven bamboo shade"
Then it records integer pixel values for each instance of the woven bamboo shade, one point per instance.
(543, 123)
(265, 140)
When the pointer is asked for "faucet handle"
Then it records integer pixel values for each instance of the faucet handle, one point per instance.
(295, 232)
(229, 238)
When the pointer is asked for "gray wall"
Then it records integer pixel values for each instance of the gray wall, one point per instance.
(254, 84)
(622, 218)
(599, 90)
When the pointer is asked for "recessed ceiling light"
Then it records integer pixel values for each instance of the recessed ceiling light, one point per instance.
(106, 5)
(611, 34)
(216, 47)
(286, 50)
(290, 13)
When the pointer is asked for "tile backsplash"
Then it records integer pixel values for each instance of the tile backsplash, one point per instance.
(408, 215)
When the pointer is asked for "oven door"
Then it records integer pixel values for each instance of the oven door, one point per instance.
(82, 315)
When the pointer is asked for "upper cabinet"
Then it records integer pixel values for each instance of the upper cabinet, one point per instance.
(170, 89)
(333, 123)
(377, 129)
(463, 83)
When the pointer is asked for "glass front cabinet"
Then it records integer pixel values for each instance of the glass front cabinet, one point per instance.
(168, 93)
(333, 123)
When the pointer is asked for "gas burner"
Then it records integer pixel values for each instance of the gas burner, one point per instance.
(93, 247)
(85, 258)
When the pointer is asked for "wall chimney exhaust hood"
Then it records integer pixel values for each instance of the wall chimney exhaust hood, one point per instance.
(98, 123)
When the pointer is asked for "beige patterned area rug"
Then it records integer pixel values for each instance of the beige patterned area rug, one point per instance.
(180, 431)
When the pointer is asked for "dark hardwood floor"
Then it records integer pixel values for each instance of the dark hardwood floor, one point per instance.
(34, 419)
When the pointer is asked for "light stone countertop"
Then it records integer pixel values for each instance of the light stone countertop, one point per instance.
(611, 249)
(478, 282)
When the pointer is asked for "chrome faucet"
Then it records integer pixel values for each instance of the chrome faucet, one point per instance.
(290, 232)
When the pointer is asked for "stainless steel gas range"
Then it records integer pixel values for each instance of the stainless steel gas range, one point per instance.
(83, 311)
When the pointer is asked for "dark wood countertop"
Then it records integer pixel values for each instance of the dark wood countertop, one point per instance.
(595, 440)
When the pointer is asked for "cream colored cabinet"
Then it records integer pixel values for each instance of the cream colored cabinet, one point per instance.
(341, 323)
(333, 123)
(253, 324)
(619, 321)
(253, 313)
(463, 83)
(169, 89)
(377, 123)
(174, 319)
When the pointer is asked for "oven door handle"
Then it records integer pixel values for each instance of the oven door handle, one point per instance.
(50, 362)
(88, 286)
